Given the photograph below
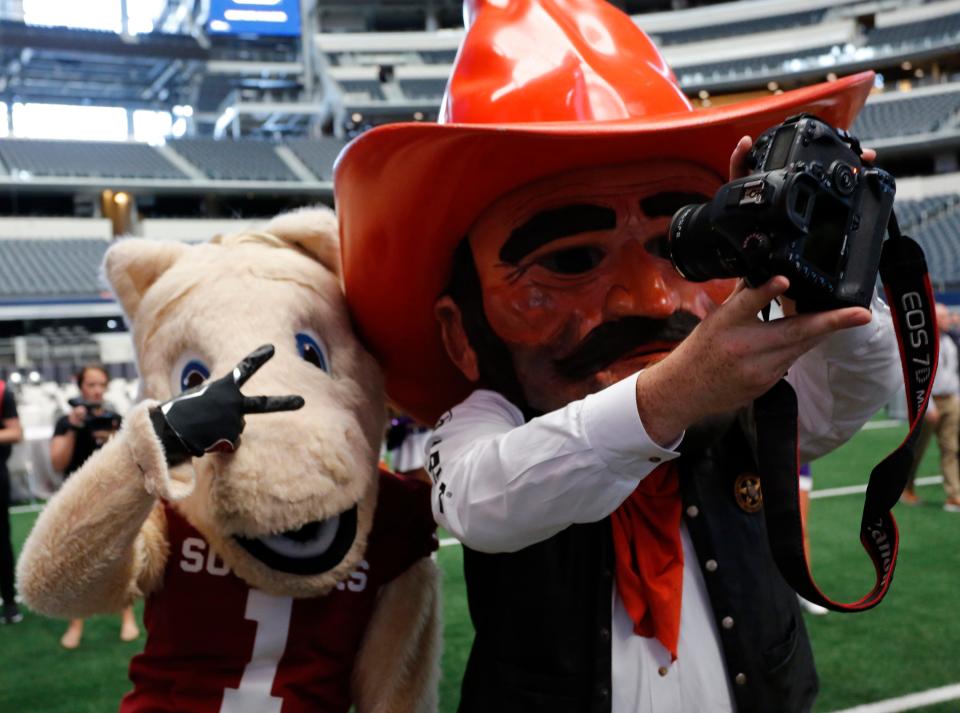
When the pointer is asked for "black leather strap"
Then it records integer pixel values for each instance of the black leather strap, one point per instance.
(903, 271)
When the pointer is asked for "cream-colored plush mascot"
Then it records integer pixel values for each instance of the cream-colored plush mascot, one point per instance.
(283, 573)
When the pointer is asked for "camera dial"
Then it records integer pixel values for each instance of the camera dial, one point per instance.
(844, 177)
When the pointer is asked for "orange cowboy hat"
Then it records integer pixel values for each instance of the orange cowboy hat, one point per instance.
(539, 87)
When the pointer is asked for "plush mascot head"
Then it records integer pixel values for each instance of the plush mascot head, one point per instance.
(290, 510)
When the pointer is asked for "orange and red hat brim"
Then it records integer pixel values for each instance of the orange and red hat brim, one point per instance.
(408, 193)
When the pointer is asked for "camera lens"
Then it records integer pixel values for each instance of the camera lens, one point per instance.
(695, 248)
(844, 178)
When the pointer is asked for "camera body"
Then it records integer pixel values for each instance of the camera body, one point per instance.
(106, 420)
(809, 210)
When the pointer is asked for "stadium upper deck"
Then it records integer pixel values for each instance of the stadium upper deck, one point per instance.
(285, 106)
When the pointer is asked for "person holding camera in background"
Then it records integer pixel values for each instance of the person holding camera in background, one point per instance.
(76, 435)
(593, 450)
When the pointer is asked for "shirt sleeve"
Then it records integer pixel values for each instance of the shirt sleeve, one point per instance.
(61, 426)
(844, 381)
(8, 409)
(501, 484)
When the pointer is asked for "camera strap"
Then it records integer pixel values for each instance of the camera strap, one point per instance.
(903, 271)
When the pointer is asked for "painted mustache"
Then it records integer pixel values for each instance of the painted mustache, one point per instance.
(612, 340)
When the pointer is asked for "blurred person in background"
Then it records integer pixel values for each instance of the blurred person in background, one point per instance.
(405, 446)
(10, 433)
(942, 418)
(88, 425)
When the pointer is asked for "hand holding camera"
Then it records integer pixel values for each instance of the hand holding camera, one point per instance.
(807, 220)
(77, 416)
(810, 208)
(92, 416)
(803, 217)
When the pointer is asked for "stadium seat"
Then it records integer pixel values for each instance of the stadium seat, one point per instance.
(51, 268)
(317, 155)
(234, 160)
(86, 158)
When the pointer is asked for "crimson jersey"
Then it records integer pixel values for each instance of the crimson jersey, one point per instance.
(216, 645)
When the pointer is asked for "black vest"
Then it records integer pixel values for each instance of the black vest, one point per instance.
(542, 615)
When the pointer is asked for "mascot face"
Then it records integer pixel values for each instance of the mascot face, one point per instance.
(290, 510)
(576, 276)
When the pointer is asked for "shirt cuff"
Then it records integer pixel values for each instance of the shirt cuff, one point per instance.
(613, 428)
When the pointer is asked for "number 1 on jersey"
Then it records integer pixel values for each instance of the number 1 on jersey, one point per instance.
(272, 615)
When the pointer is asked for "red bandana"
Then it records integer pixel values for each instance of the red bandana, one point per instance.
(646, 539)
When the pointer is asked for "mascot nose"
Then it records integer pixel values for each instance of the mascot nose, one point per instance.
(643, 285)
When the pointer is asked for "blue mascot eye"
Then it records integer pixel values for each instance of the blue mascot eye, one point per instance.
(311, 350)
(194, 373)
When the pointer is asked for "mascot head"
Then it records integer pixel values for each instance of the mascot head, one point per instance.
(289, 511)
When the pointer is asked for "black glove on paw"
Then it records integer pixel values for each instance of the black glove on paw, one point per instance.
(209, 418)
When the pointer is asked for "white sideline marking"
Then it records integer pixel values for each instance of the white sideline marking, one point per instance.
(909, 702)
(854, 489)
(17, 509)
(885, 423)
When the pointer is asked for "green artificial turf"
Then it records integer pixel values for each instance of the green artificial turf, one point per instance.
(910, 643)
(37, 674)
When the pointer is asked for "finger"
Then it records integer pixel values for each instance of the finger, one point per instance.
(795, 331)
(269, 404)
(738, 288)
(738, 159)
(746, 303)
(251, 363)
(868, 155)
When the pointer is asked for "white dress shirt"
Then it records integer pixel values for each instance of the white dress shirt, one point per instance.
(502, 485)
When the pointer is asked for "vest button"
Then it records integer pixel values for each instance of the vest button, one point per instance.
(711, 565)
(605, 634)
(603, 692)
(740, 679)
(693, 511)
(727, 622)
(663, 670)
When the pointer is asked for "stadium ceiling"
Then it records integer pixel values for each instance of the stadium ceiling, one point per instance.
(148, 71)
(405, 15)
(62, 66)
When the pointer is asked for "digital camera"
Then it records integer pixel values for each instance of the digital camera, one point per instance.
(809, 210)
(105, 420)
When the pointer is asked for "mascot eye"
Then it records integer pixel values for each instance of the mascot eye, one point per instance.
(311, 349)
(573, 261)
(194, 373)
(658, 246)
(189, 370)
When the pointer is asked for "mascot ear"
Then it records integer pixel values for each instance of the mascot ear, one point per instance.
(134, 264)
(314, 230)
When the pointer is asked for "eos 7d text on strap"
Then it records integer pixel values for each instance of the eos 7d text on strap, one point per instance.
(903, 271)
